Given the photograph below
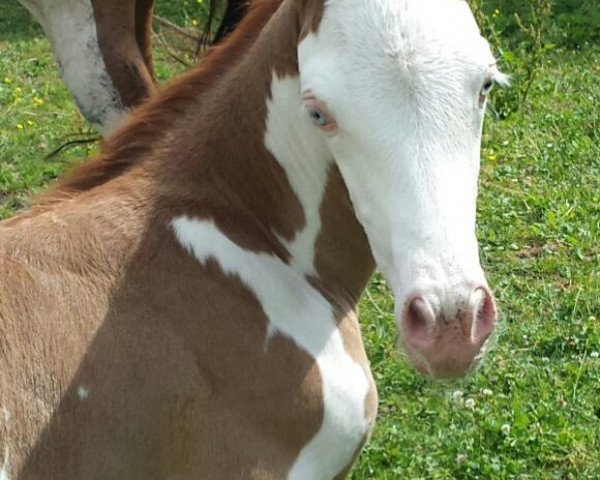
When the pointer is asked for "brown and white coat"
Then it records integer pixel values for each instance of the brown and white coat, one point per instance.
(183, 305)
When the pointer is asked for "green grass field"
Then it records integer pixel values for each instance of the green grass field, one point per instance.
(532, 411)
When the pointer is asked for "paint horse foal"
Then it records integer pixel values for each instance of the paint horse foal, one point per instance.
(103, 50)
(182, 306)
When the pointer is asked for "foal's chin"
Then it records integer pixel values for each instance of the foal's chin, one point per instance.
(446, 359)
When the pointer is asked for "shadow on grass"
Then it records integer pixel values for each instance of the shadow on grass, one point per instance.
(16, 23)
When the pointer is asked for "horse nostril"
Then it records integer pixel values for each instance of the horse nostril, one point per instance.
(484, 319)
(444, 335)
(419, 323)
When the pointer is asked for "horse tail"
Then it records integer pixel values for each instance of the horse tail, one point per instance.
(232, 14)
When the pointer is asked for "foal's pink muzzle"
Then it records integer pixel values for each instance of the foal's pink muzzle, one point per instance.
(446, 343)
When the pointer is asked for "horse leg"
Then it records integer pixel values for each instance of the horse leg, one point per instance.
(102, 48)
(234, 12)
(124, 37)
(144, 10)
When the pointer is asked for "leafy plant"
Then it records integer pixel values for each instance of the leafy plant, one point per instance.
(518, 32)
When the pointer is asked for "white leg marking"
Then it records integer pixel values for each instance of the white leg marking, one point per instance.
(296, 310)
(71, 28)
(297, 146)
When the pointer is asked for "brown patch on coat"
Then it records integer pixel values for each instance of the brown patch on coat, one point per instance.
(342, 253)
(311, 11)
(124, 29)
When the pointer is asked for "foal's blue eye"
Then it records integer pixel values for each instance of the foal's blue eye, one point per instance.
(319, 118)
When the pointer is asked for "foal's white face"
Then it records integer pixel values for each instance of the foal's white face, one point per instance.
(398, 88)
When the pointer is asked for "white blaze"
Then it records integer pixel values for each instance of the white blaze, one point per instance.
(403, 79)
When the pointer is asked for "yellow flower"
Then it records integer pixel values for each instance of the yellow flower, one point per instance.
(31, 123)
(7, 80)
(37, 101)
(195, 22)
(492, 157)
(19, 126)
(17, 92)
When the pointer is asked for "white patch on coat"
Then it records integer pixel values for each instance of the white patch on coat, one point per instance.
(299, 312)
(71, 28)
(83, 392)
(304, 156)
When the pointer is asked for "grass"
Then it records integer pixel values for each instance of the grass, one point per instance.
(535, 404)
(532, 411)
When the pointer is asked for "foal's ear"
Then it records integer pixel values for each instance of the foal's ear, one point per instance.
(311, 13)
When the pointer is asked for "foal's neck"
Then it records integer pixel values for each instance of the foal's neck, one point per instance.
(250, 160)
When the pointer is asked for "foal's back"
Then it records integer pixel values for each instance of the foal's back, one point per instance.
(55, 276)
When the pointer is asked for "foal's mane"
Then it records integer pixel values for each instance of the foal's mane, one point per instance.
(135, 140)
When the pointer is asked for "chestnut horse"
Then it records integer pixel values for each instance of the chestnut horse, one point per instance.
(183, 305)
(103, 51)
